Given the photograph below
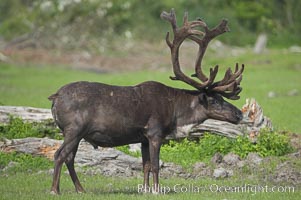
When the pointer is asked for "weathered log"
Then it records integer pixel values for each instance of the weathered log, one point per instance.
(104, 161)
(252, 122)
(29, 114)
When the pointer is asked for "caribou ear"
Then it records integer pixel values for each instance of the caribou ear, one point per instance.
(203, 100)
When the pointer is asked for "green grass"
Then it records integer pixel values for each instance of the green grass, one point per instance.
(37, 186)
(276, 71)
(29, 178)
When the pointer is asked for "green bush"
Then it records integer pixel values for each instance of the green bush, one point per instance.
(189, 152)
(126, 149)
(17, 128)
(268, 144)
(276, 144)
(23, 162)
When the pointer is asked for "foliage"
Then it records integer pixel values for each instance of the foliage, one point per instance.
(185, 153)
(273, 143)
(268, 144)
(126, 149)
(17, 128)
(188, 152)
(23, 162)
(107, 18)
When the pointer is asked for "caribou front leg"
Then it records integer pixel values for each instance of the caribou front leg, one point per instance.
(155, 136)
(146, 165)
(154, 147)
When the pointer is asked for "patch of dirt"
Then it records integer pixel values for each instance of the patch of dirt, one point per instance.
(286, 172)
(296, 140)
(48, 151)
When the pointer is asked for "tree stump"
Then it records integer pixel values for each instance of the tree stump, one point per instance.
(260, 44)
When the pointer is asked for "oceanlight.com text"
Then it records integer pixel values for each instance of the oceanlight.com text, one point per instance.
(216, 188)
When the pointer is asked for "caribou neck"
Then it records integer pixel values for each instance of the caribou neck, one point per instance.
(187, 108)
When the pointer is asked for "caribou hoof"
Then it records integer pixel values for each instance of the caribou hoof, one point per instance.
(52, 192)
(81, 191)
(155, 192)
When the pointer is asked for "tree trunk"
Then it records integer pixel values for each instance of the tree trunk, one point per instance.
(252, 122)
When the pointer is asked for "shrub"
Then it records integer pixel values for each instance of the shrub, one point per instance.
(188, 152)
(126, 149)
(24, 162)
(17, 128)
(273, 143)
(185, 153)
(268, 144)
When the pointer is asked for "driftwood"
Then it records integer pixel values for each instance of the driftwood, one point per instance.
(252, 122)
(101, 161)
(29, 114)
(109, 161)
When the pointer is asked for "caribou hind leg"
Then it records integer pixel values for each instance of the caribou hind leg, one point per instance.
(70, 165)
(69, 146)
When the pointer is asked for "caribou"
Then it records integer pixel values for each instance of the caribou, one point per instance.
(108, 116)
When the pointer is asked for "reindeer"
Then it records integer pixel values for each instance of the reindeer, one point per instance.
(109, 116)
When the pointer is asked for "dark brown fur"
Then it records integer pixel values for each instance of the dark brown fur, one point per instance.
(108, 116)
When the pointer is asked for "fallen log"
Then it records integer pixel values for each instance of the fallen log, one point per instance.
(101, 161)
(253, 121)
(29, 114)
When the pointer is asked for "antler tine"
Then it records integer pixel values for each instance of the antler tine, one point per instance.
(185, 18)
(171, 17)
(168, 41)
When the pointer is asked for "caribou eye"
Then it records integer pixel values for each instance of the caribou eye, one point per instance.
(213, 101)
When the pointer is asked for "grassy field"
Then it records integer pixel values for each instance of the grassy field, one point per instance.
(276, 71)
(36, 186)
(30, 178)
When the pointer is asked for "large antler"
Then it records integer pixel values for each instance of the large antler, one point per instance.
(229, 85)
